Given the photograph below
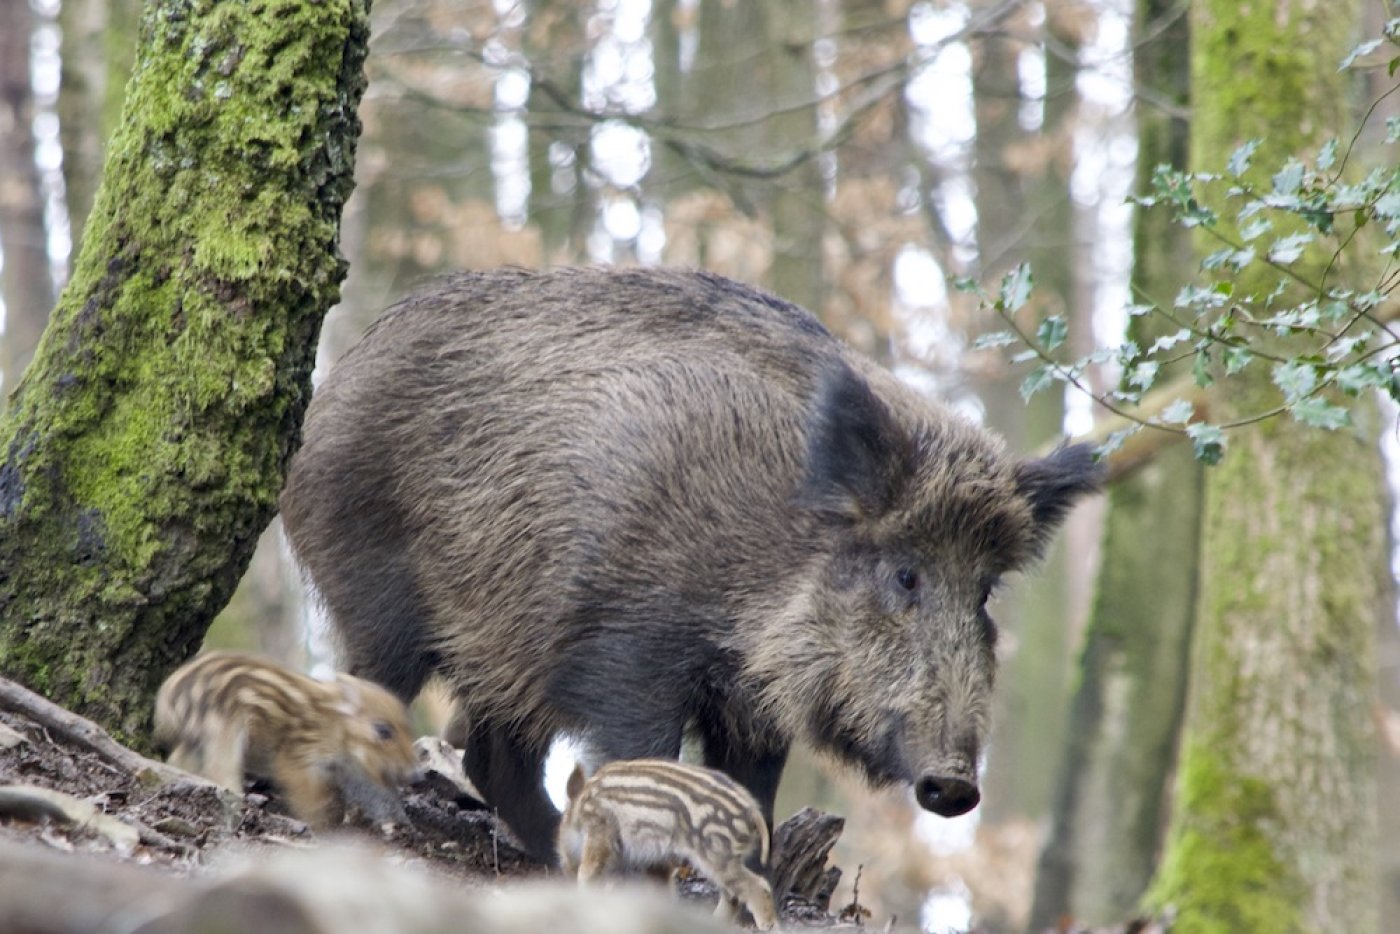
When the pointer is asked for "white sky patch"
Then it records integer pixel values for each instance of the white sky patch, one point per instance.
(940, 93)
(689, 38)
(918, 279)
(1030, 76)
(619, 70)
(942, 121)
(947, 910)
(619, 77)
(621, 152)
(651, 239)
(45, 72)
(1105, 167)
(621, 219)
(924, 343)
(509, 139)
(510, 166)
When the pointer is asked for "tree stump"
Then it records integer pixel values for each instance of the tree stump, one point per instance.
(801, 845)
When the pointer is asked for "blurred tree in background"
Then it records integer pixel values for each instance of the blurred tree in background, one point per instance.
(860, 157)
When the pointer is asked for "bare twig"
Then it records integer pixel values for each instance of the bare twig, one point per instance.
(84, 733)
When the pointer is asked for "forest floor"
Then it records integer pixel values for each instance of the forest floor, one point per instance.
(68, 791)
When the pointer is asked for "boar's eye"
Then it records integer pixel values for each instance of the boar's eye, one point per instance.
(384, 731)
(907, 579)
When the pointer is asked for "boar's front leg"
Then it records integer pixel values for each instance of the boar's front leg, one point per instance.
(758, 770)
(510, 775)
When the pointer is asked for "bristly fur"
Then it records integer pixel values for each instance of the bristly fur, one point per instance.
(326, 744)
(625, 504)
(654, 815)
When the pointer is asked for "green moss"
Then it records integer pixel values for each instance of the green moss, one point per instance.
(146, 445)
(1222, 873)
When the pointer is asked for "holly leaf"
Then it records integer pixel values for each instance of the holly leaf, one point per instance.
(1359, 377)
(1207, 442)
(1365, 48)
(1327, 155)
(1035, 381)
(1287, 249)
(1288, 179)
(1256, 228)
(1115, 441)
(1052, 332)
(1295, 380)
(1319, 413)
(1015, 288)
(994, 339)
(1144, 374)
(1178, 413)
(1239, 159)
(1236, 359)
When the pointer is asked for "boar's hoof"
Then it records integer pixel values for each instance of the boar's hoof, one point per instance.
(946, 797)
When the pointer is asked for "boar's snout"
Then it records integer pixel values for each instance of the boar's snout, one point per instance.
(946, 796)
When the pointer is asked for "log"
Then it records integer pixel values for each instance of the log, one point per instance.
(322, 890)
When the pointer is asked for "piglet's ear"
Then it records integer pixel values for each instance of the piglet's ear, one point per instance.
(858, 456)
(348, 703)
(1055, 483)
(575, 783)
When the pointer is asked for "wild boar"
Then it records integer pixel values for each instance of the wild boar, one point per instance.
(326, 744)
(628, 504)
(658, 814)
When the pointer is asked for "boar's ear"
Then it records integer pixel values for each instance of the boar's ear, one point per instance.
(1053, 484)
(858, 455)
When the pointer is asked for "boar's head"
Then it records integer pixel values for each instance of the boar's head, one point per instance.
(884, 654)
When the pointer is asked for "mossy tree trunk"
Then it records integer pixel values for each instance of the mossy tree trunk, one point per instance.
(144, 450)
(1273, 827)
(1132, 672)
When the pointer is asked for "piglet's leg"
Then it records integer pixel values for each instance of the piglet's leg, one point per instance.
(224, 750)
(310, 791)
(600, 856)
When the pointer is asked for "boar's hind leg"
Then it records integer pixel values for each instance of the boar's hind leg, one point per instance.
(510, 776)
(758, 771)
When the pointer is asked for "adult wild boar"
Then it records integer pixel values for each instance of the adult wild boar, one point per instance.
(625, 504)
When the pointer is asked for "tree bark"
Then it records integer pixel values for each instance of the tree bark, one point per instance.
(1274, 805)
(1132, 672)
(145, 447)
(27, 282)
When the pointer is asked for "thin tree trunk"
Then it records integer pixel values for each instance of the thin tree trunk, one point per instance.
(1132, 673)
(98, 49)
(796, 204)
(1273, 826)
(555, 41)
(1029, 712)
(27, 282)
(146, 445)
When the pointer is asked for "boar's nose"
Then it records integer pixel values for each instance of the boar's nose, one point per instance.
(946, 797)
